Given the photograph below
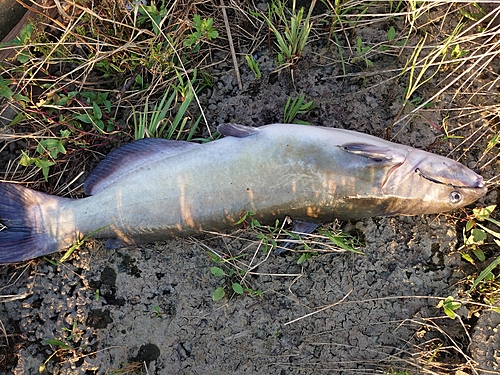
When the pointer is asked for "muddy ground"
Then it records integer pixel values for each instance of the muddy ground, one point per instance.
(150, 309)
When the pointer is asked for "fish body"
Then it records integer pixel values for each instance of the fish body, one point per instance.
(156, 189)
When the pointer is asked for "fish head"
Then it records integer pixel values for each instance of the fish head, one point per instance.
(429, 183)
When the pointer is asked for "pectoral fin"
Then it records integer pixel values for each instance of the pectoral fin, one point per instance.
(376, 153)
(299, 227)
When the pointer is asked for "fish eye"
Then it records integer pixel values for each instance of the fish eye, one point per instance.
(455, 197)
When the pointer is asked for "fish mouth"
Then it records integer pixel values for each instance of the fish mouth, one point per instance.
(479, 184)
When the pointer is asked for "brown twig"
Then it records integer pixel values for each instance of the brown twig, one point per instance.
(231, 46)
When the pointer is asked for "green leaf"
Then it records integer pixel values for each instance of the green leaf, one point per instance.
(470, 224)
(212, 34)
(65, 133)
(57, 343)
(468, 258)
(304, 257)
(26, 160)
(492, 143)
(23, 57)
(216, 271)
(218, 294)
(138, 79)
(44, 165)
(25, 34)
(488, 230)
(97, 111)
(237, 288)
(359, 43)
(197, 21)
(391, 34)
(479, 235)
(479, 254)
(449, 312)
(214, 257)
(84, 118)
(482, 213)
(5, 90)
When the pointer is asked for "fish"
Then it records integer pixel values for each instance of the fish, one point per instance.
(155, 189)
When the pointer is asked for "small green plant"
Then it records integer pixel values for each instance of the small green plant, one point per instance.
(48, 151)
(449, 306)
(294, 107)
(362, 53)
(94, 115)
(253, 65)
(473, 16)
(63, 347)
(74, 334)
(444, 127)
(475, 233)
(422, 66)
(304, 257)
(21, 43)
(293, 39)
(342, 240)
(395, 372)
(157, 125)
(157, 312)
(6, 91)
(203, 30)
(230, 275)
(492, 143)
(152, 13)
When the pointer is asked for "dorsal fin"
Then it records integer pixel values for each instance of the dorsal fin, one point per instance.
(130, 157)
(237, 130)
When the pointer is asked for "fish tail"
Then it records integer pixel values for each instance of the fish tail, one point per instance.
(22, 235)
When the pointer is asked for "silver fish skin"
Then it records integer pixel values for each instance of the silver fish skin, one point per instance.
(156, 189)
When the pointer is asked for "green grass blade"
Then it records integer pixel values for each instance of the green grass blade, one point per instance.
(485, 273)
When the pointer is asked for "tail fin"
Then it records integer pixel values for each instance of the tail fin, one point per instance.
(21, 237)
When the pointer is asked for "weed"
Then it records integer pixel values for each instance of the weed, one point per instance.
(94, 114)
(253, 65)
(230, 275)
(137, 48)
(63, 348)
(152, 14)
(475, 233)
(203, 30)
(449, 305)
(157, 312)
(48, 150)
(74, 335)
(294, 107)
(158, 126)
(475, 236)
(473, 16)
(292, 40)
(362, 52)
(271, 236)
